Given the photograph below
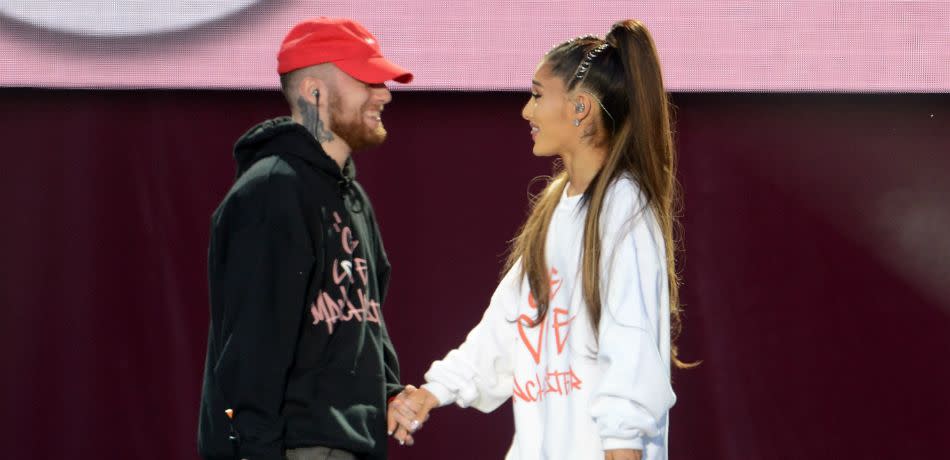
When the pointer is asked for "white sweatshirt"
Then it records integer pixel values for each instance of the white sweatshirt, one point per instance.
(576, 396)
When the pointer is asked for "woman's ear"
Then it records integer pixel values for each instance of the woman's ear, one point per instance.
(581, 106)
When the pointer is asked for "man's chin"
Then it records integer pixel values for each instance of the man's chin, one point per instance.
(372, 139)
(379, 136)
(363, 139)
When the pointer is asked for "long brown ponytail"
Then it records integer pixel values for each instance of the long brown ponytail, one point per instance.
(627, 78)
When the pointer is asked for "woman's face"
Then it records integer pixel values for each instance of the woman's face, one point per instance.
(549, 113)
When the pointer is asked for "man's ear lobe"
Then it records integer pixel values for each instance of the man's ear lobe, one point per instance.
(313, 90)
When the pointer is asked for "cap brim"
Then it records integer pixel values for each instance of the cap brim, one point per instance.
(374, 70)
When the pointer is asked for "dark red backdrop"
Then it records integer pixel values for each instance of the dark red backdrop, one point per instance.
(816, 266)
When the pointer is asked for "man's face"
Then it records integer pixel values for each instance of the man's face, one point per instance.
(356, 110)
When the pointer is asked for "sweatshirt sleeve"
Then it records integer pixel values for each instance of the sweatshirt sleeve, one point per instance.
(479, 372)
(265, 270)
(635, 393)
(383, 271)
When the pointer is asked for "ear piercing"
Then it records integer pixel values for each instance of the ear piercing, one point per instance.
(577, 122)
(316, 93)
(579, 107)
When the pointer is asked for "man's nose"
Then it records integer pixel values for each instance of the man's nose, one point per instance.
(382, 94)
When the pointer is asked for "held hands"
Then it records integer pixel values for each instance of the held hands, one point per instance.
(623, 454)
(408, 411)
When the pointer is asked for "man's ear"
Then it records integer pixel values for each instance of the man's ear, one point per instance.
(314, 91)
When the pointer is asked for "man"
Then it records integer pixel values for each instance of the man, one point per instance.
(299, 362)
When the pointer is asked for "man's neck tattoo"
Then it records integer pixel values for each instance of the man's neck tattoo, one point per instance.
(312, 121)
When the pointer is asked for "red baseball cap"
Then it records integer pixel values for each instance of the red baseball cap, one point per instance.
(343, 42)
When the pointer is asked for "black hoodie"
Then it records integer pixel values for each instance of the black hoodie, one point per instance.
(297, 346)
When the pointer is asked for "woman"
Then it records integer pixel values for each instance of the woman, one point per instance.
(578, 332)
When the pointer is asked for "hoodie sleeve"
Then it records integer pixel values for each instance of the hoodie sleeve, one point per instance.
(264, 274)
(391, 363)
(383, 271)
(635, 393)
(390, 360)
(479, 372)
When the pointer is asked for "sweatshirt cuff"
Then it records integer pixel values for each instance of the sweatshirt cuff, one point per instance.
(619, 443)
(441, 392)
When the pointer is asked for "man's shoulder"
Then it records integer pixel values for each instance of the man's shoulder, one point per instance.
(269, 171)
(268, 184)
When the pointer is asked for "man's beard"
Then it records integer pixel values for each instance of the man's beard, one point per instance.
(354, 131)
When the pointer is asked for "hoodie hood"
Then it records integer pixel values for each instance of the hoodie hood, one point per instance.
(284, 136)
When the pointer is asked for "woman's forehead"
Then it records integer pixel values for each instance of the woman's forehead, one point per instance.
(545, 79)
(542, 70)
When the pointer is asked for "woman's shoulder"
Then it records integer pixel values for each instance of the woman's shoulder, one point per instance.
(624, 196)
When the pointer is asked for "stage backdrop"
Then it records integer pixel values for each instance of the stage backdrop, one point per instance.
(815, 267)
(705, 45)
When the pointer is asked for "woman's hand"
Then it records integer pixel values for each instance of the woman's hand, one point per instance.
(408, 411)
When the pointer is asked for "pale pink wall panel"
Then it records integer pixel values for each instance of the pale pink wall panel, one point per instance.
(791, 45)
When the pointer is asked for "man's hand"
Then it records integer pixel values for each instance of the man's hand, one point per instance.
(623, 454)
(408, 411)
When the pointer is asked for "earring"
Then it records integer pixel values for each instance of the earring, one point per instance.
(316, 93)
(577, 122)
(579, 107)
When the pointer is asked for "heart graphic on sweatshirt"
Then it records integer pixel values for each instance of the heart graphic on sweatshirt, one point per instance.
(535, 350)
(525, 320)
